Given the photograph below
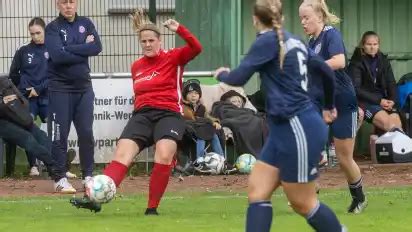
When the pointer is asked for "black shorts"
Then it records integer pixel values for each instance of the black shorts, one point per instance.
(149, 125)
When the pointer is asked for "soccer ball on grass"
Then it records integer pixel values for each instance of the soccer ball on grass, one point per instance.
(100, 189)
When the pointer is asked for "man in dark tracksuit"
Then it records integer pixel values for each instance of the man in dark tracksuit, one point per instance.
(70, 41)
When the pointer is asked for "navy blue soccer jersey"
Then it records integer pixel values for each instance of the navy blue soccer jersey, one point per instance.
(286, 87)
(328, 44)
(29, 68)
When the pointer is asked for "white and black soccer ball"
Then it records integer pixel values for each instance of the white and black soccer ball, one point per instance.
(100, 189)
(212, 163)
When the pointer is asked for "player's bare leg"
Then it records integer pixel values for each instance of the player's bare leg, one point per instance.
(344, 152)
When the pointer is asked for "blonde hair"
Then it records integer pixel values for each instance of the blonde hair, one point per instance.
(141, 22)
(269, 13)
(319, 6)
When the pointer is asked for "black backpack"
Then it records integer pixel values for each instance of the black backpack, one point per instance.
(16, 111)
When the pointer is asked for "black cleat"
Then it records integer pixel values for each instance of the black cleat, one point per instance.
(86, 203)
(357, 207)
(151, 211)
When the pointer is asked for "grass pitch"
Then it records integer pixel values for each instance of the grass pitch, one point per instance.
(388, 210)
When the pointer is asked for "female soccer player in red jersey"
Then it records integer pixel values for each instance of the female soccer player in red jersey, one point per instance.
(157, 117)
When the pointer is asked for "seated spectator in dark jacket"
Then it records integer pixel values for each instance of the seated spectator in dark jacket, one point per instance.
(204, 125)
(234, 98)
(374, 82)
(17, 126)
(247, 128)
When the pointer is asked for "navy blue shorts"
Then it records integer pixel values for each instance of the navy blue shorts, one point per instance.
(39, 106)
(294, 146)
(372, 110)
(345, 126)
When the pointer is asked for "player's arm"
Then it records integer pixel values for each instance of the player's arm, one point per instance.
(336, 50)
(192, 47)
(323, 71)
(42, 86)
(391, 87)
(91, 47)
(336, 62)
(260, 53)
(14, 74)
(56, 49)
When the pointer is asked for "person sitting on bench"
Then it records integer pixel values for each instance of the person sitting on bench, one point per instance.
(17, 127)
(375, 84)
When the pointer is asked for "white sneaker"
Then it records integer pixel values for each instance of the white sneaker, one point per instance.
(71, 175)
(63, 186)
(34, 171)
(324, 161)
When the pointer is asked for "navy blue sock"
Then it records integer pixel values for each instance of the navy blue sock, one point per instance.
(356, 190)
(259, 217)
(323, 219)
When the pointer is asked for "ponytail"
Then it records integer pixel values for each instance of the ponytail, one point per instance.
(277, 22)
(141, 22)
(270, 14)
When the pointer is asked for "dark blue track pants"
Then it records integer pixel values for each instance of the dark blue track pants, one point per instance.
(65, 108)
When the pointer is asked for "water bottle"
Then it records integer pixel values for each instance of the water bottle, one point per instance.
(333, 160)
(372, 148)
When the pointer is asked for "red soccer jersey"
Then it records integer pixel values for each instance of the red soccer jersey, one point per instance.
(157, 81)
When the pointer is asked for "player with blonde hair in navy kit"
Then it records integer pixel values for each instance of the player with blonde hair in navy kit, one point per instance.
(326, 41)
(297, 132)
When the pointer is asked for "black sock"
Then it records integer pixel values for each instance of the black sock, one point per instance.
(356, 190)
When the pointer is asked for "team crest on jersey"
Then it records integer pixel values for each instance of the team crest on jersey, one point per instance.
(327, 28)
(82, 29)
(318, 48)
(46, 55)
